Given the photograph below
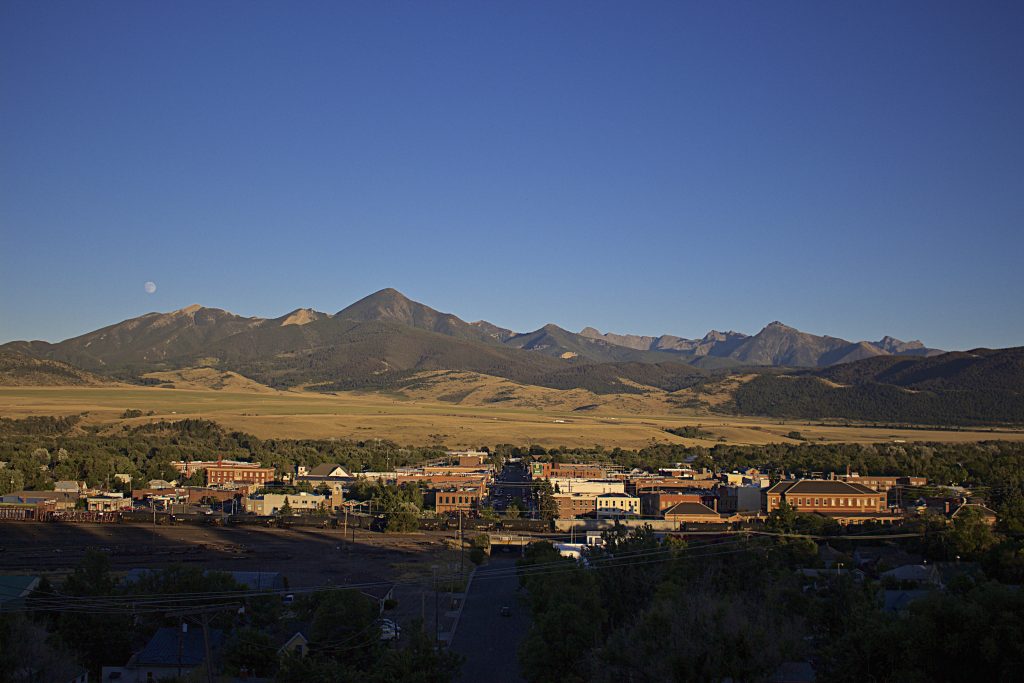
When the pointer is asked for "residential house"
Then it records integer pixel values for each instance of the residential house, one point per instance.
(14, 589)
(917, 575)
(76, 487)
(173, 652)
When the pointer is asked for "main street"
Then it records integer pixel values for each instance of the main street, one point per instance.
(488, 640)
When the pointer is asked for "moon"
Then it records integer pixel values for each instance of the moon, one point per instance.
(150, 287)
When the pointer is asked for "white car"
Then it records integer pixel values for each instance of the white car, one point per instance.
(389, 630)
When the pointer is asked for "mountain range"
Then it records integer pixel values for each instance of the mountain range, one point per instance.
(386, 341)
(377, 326)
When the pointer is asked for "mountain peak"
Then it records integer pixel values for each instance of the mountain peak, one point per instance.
(189, 310)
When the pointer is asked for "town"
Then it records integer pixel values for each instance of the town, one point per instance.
(478, 515)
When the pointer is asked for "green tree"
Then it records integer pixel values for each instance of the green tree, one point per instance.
(286, 509)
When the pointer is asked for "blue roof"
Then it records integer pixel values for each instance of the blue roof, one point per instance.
(162, 649)
(14, 588)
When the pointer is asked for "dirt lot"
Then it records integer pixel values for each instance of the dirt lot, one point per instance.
(307, 557)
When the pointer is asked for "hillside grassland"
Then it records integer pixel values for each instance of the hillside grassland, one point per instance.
(410, 420)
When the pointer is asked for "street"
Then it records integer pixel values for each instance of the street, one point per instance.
(488, 640)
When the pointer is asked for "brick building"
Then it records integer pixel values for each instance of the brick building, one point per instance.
(248, 472)
(568, 470)
(457, 499)
(828, 497)
(571, 505)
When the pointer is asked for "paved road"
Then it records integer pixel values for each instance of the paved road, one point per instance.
(487, 640)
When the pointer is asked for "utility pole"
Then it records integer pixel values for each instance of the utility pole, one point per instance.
(462, 547)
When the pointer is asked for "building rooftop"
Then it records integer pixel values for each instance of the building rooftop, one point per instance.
(169, 647)
(826, 487)
(689, 509)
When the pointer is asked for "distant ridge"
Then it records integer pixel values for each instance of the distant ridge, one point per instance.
(385, 334)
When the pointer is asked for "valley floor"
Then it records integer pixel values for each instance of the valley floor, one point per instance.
(361, 416)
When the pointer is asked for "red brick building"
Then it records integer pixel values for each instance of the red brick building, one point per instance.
(569, 470)
(248, 472)
(828, 497)
(458, 499)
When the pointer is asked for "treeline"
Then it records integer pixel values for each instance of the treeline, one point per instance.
(38, 425)
(811, 398)
(644, 610)
(41, 451)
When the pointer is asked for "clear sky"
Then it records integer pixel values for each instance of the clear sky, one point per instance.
(849, 168)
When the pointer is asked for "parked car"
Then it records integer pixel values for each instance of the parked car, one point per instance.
(389, 630)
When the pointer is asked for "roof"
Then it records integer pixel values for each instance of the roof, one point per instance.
(793, 672)
(913, 572)
(821, 487)
(163, 648)
(689, 508)
(326, 470)
(614, 495)
(898, 601)
(975, 507)
(13, 588)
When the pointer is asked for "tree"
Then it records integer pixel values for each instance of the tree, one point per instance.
(250, 651)
(512, 511)
(286, 509)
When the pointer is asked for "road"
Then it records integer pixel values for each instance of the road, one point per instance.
(489, 641)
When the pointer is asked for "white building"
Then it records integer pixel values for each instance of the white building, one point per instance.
(617, 505)
(591, 486)
(271, 503)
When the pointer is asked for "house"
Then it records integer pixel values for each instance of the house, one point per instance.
(328, 473)
(922, 575)
(882, 558)
(70, 486)
(692, 513)
(14, 589)
(380, 594)
(793, 672)
(898, 601)
(985, 514)
(297, 644)
(173, 652)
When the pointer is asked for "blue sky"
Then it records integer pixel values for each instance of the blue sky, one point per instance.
(855, 169)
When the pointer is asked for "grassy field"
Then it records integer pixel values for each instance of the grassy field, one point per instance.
(413, 421)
